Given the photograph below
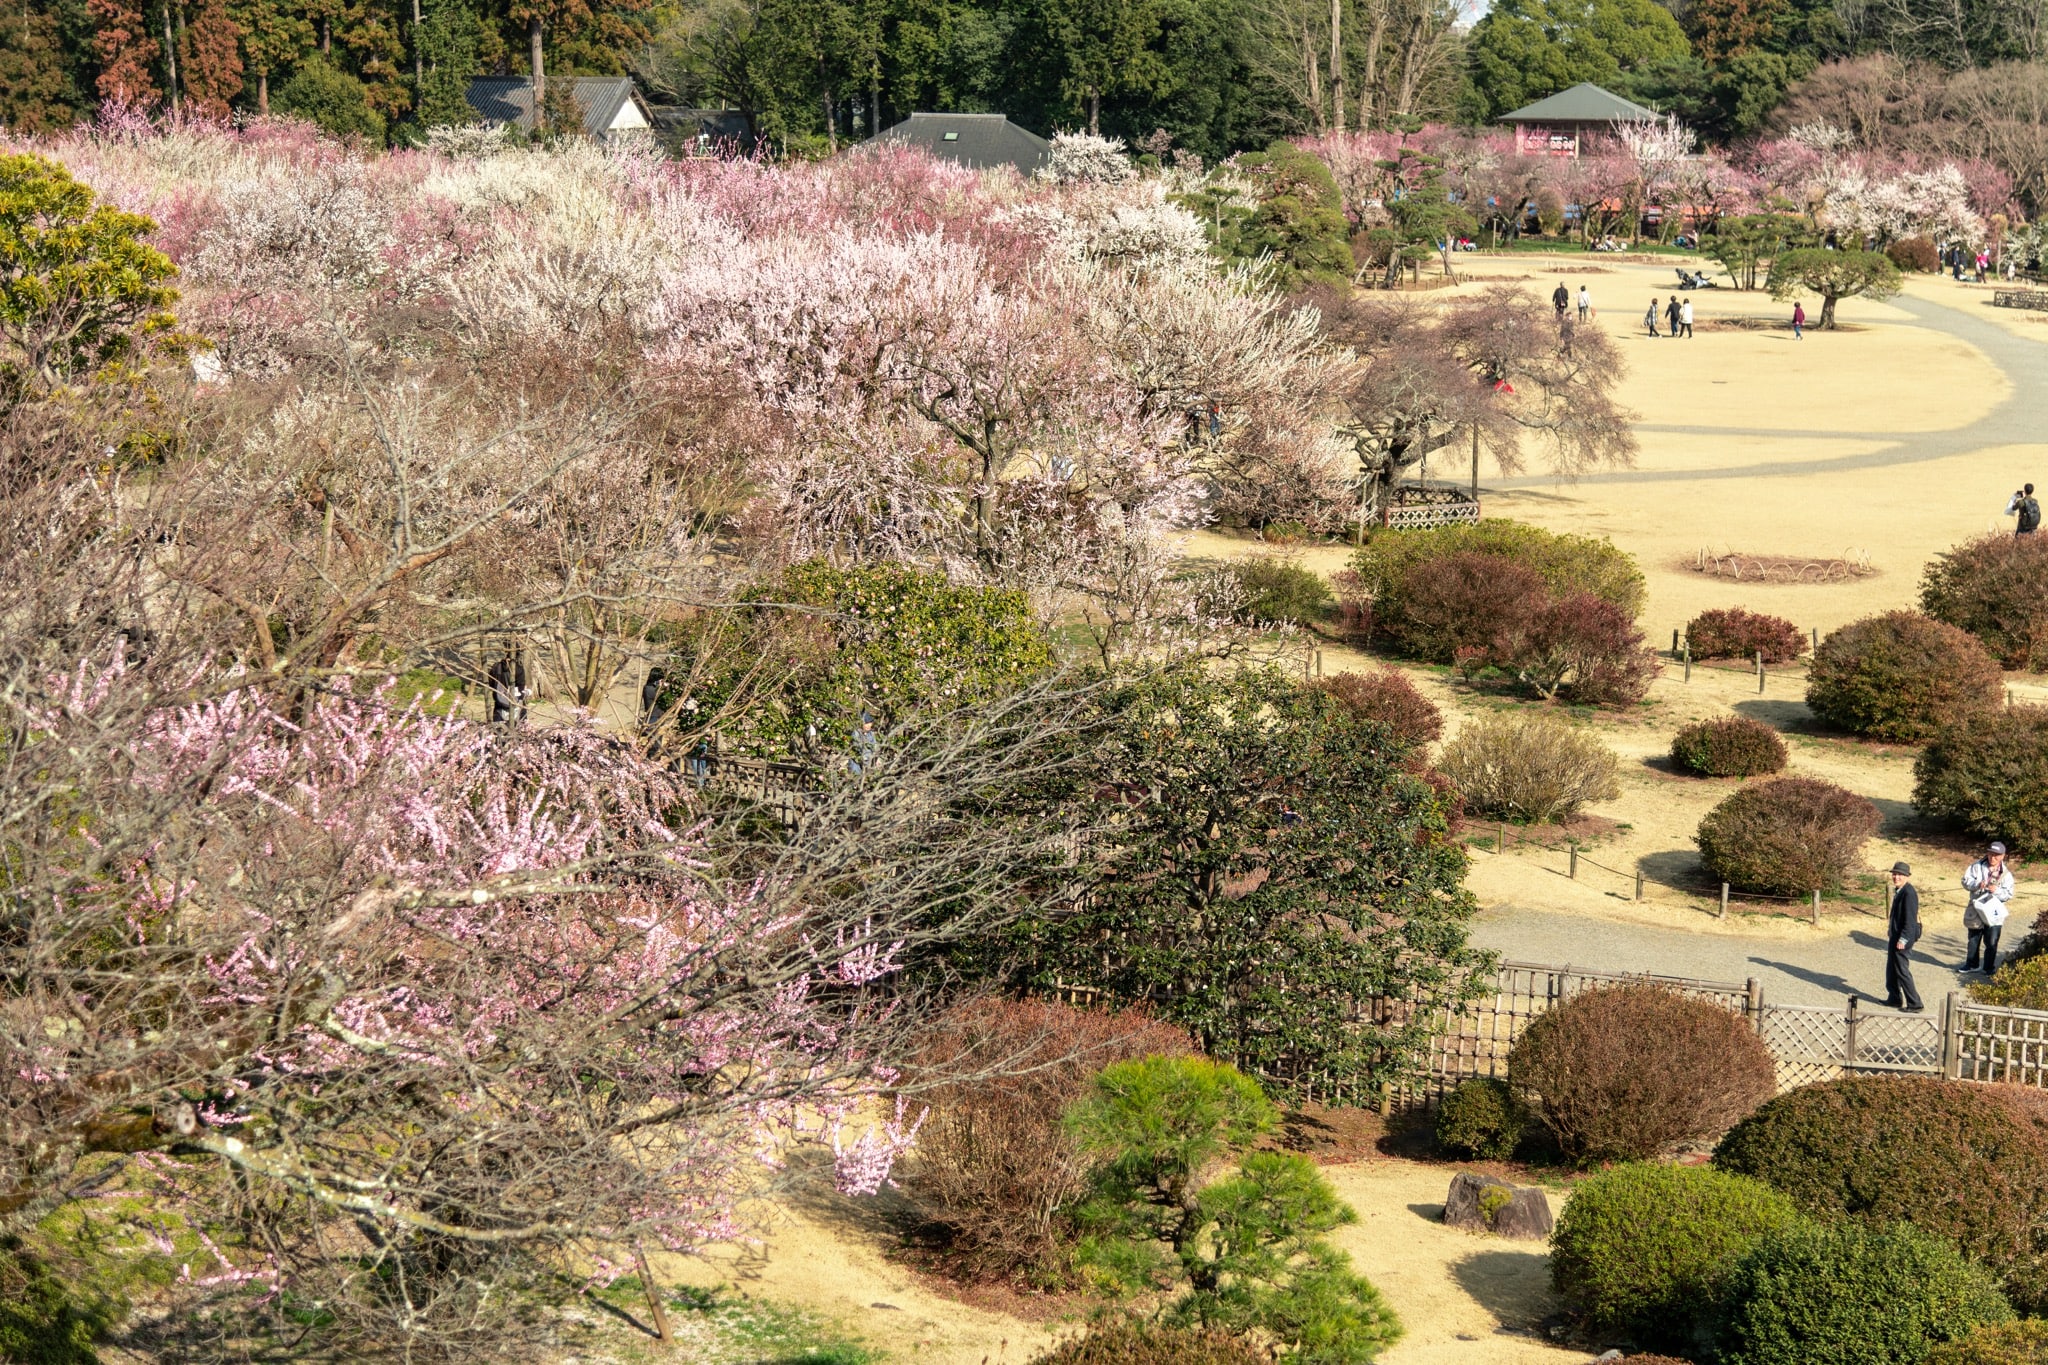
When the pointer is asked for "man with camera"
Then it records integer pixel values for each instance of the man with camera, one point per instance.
(2023, 505)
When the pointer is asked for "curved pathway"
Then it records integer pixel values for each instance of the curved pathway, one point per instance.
(2018, 420)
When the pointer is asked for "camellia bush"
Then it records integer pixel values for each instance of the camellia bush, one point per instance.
(1786, 837)
(1733, 633)
(1730, 746)
(1996, 588)
(1624, 1073)
(1958, 1160)
(1901, 677)
(1988, 774)
(1641, 1249)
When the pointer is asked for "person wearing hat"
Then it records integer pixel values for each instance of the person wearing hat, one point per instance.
(1902, 933)
(1988, 883)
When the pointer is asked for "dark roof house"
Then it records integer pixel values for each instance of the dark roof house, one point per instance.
(608, 104)
(977, 140)
(1553, 126)
(690, 132)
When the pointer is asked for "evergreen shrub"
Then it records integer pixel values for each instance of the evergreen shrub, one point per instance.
(1481, 1119)
(2020, 984)
(1640, 1249)
(1731, 746)
(1988, 774)
(1786, 837)
(1280, 591)
(1996, 588)
(1900, 677)
(1733, 633)
(1627, 1072)
(2004, 1343)
(1960, 1160)
(1850, 1295)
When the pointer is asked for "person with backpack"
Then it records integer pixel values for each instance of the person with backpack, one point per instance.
(2023, 505)
(1988, 883)
(1585, 303)
(1560, 299)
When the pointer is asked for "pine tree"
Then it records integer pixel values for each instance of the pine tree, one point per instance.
(128, 54)
(210, 60)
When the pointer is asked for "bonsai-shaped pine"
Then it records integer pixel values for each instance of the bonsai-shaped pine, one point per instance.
(1245, 1251)
(1833, 275)
(78, 287)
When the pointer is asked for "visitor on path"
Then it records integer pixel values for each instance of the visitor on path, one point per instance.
(1902, 933)
(1565, 334)
(1685, 316)
(1799, 322)
(1989, 884)
(1560, 299)
(1983, 264)
(1585, 303)
(2023, 506)
(1671, 311)
(1650, 317)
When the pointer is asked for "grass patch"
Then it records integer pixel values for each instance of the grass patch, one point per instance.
(718, 1327)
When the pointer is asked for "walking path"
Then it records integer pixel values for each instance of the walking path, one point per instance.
(1823, 970)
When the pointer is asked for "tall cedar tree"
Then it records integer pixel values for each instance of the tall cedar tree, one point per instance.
(128, 54)
(275, 38)
(37, 91)
(590, 28)
(448, 39)
(1267, 861)
(209, 60)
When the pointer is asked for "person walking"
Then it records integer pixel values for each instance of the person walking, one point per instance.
(1671, 311)
(1989, 884)
(1560, 299)
(1565, 334)
(1585, 303)
(1902, 932)
(1650, 316)
(2024, 506)
(1685, 317)
(1799, 322)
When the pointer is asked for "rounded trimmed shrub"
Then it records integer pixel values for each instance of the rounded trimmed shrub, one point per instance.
(1914, 253)
(1132, 1341)
(1640, 1249)
(1627, 1072)
(1481, 1119)
(1733, 633)
(1786, 837)
(1850, 1295)
(1995, 587)
(2002, 1343)
(1280, 591)
(1386, 695)
(1529, 766)
(1988, 774)
(1901, 676)
(1454, 605)
(1732, 746)
(1959, 1160)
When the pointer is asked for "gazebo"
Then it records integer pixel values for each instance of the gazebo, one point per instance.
(1553, 126)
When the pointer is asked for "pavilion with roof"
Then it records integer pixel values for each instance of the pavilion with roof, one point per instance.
(1554, 126)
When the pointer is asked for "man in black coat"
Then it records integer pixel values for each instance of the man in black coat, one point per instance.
(1902, 932)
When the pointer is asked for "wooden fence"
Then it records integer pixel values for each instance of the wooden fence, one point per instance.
(1964, 1041)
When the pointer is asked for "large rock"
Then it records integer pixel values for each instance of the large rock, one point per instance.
(1480, 1203)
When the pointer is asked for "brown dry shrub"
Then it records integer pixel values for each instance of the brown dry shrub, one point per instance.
(994, 1166)
(1386, 695)
(1786, 837)
(1627, 1072)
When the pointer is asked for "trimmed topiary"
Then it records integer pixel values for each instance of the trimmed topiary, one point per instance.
(1786, 837)
(1481, 1119)
(1850, 1295)
(1901, 676)
(1988, 774)
(1732, 746)
(1131, 1341)
(1641, 1248)
(1732, 633)
(1529, 766)
(1627, 1072)
(1386, 695)
(1960, 1160)
(1996, 588)
(2003, 1343)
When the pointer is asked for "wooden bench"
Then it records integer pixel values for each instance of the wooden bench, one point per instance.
(2020, 298)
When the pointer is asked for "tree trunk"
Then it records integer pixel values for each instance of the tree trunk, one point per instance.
(1095, 111)
(540, 73)
(875, 99)
(1337, 66)
(326, 37)
(263, 93)
(170, 57)
(831, 121)
(1827, 311)
(1407, 96)
(1366, 93)
(419, 62)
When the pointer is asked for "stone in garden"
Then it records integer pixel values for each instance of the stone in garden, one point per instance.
(1480, 1203)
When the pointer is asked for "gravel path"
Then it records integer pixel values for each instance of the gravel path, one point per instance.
(1822, 971)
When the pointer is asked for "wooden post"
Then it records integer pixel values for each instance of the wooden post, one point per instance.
(1816, 907)
(1849, 1041)
(1724, 900)
(1688, 661)
(1319, 663)
(1816, 639)
(1639, 883)
(1500, 845)
(1951, 1041)
(1759, 673)
(1754, 1004)
(1475, 462)
(653, 1296)
(1674, 642)
(1575, 862)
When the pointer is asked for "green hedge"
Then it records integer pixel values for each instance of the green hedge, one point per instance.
(1641, 1249)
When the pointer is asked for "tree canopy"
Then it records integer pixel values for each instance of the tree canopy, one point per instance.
(1524, 50)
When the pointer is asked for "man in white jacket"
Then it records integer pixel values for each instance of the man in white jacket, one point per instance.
(1988, 882)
